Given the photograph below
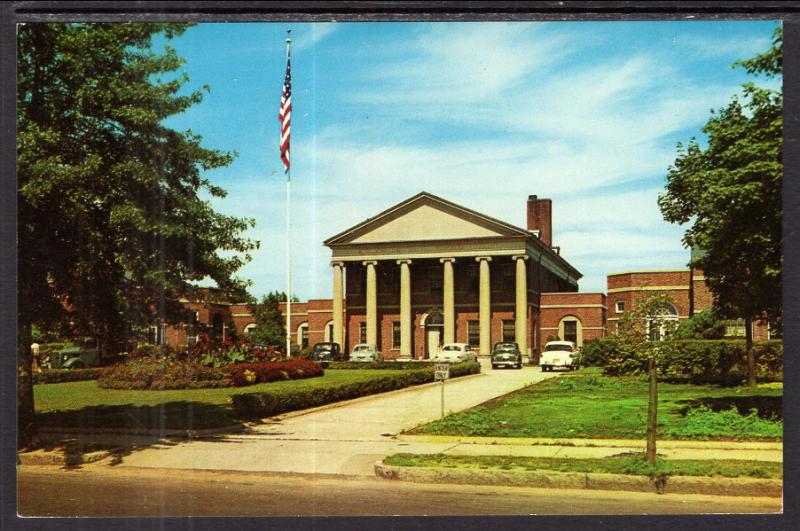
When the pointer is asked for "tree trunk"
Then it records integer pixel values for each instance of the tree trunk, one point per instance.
(751, 360)
(652, 412)
(27, 435)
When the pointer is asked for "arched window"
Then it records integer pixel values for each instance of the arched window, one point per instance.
(329, 331)
(249, 328)
(302, 335)
(570, 328)
(665, 318)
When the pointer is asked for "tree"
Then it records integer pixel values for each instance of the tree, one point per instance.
(270, 324)
(644, 334)
(702, 325)
(112, 229)
(730, 193)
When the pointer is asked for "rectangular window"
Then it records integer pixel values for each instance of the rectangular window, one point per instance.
(304, 337)
(158, 334)
(620, 306)
(734, 328)
(509, 331)
(474, 333)
(435, 276)
(395, 335)
(509, 277)
(472, 279)
(362, 332)
(571, 331)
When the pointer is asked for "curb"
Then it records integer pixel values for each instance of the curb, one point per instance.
(606, 443)
(189, 434)
(50, 458)
(750, 487)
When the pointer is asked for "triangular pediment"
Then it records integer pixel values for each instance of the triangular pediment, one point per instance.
(425, 217)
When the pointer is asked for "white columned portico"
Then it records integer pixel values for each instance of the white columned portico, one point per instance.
(338, 298)
(405, 308)
(521, 311)
(372, 303)
(448, 303)
(484, 306)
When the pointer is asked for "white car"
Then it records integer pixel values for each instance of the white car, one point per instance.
(559, 354)
(365, 352)
(456, 352)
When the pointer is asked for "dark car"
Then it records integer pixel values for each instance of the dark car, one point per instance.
(506, 354)
(325, 352)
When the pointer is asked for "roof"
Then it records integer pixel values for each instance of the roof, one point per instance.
(498, 227)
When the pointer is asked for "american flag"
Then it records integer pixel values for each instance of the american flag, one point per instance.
(285, 114)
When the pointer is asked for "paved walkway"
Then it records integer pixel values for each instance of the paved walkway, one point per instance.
(344, 439)
(349, 437)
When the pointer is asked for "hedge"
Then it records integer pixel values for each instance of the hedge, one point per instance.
(270, 403)
(157, 374)
(706, 360)
(382, 365)
(65, 375)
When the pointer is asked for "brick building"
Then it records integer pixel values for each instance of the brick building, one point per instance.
(427, 272)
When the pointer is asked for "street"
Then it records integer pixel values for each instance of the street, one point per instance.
(106, 491)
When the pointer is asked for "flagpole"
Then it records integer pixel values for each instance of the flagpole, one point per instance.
(288, 234)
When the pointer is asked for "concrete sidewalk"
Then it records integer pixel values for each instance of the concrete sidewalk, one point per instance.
(345, 438)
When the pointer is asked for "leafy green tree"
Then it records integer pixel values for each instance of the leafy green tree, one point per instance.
(270, 324)
(729, 193)
(112, 225)
(702, 325)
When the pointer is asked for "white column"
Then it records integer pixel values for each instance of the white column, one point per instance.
(338, 298)
(484, 306)
(405, 308)
(449, 301)
(521, 311)
(372, 304)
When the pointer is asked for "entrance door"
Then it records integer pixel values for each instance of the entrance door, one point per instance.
(434, 326)
(434, 341)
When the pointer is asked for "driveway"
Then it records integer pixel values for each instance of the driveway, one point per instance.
(346, 438)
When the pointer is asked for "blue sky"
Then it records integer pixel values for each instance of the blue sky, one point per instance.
(482, 114)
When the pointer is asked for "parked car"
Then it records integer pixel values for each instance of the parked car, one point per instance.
(365, 352)
(559, 354)
(325, 352)
(80, 354)
(506, 354)
(456, 352)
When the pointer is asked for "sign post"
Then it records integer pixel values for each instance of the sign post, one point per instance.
(441, 373)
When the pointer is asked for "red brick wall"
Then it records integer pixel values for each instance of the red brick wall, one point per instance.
(588, 308)
(675, 283)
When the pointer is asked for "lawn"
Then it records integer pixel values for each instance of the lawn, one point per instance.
(84, 404)
(624, 464)
(586, 404)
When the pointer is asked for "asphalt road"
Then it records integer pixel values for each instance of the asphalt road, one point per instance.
(95, 491)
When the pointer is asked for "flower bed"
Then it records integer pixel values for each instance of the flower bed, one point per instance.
(381, 365)
(168, 373)
(266, 404)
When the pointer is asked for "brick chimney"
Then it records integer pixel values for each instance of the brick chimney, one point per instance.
(540, 218)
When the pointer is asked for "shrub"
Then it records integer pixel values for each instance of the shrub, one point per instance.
(295, 369)
(722, 361)
(149, 373)
(266, 404)
(146, 350)
(703, 325)
(65, 375)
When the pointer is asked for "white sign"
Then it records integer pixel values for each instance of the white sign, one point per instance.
(441, 371)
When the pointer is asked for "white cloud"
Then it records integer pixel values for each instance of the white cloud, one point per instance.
(727, 47)
(314, 35)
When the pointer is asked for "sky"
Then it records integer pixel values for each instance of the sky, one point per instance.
(482, 114)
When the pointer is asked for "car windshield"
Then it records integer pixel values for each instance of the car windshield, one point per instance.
(359, 348)
(451, 347)
(324, 346)
(561, 346)
(506, 346)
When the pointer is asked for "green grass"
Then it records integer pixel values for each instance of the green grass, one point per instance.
(84, 404)
(587, 404)
(625, 464)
